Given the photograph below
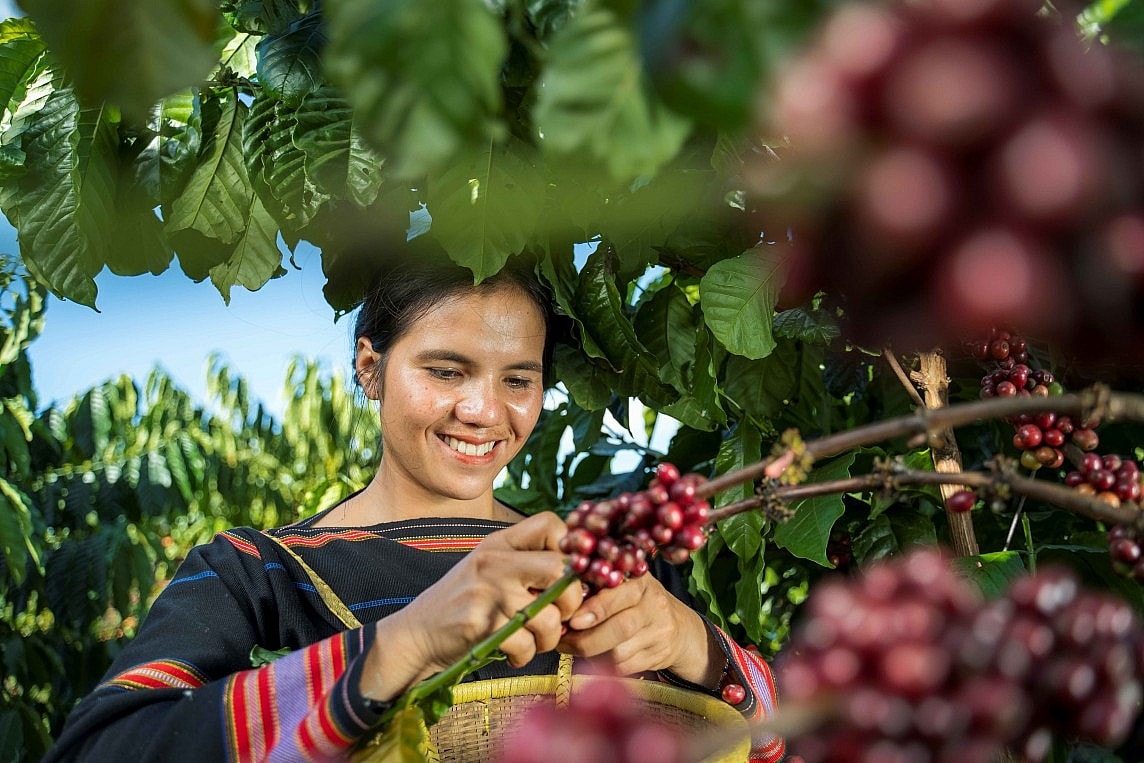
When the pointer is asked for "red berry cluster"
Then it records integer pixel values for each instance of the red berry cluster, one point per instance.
(955, 165)
(611, 540)
(1110, 478)
(1038, 437)
(602, 723)
(915, 668)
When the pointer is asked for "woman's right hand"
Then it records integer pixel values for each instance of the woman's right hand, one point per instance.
(498, 578)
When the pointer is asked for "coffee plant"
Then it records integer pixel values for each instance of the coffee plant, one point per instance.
(734, 230)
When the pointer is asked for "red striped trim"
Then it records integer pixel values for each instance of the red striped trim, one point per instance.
(242, 545)
(241, 749)
(321, 539)
(266, 709)
(161, 674)
(442, 544)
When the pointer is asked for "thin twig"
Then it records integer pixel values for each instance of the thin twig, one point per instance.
(1058, 495)
(900, 372)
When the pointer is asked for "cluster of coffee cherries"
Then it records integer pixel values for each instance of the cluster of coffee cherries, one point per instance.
(602, 723)
(1124, 546)
(956, 164)
(1038, 437)
(609, 541)
(912, 666)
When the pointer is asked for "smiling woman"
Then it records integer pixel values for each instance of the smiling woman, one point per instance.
(402, 579)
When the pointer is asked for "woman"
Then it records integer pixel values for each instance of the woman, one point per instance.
(424, 556)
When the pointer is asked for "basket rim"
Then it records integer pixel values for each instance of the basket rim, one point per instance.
(714, 711)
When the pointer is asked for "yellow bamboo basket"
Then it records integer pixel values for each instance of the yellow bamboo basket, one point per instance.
(484, 715)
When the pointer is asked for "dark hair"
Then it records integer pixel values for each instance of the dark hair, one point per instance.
(408, 290)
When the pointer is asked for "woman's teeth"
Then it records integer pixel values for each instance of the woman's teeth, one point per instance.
(468, 448)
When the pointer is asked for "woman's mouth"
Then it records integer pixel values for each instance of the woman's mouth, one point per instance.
(468, 448)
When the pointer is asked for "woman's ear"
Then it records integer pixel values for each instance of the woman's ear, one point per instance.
(367, 366)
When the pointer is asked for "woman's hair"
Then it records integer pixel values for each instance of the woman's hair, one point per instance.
(408, 290)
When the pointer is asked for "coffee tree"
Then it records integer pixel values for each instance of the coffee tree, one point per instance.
(742, 238)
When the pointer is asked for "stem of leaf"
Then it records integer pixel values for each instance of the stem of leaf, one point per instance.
(482, 653)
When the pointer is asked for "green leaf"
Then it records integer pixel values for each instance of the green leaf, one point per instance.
(738, 297)
(290, 63)
(129, 52)
(589, 385)
(699, 406)
(892, 533)
(260, 655)
(593, 100)
(807, 533)
(216, 199)
(761, 388)
(422, 77)
(992, 573)
(666, 325)
(262, 16)
(486, 206)
(742, 447)
(166, 161)
(21, 57)
(338, 161)
(256, 257)
(812, 326)
(62, 205)
(16, 531)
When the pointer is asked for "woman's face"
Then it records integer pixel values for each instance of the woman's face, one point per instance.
(460, 392)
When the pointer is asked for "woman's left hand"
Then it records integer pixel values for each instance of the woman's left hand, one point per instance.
(639, 626)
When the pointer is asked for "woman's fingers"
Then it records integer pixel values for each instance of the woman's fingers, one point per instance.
(540, 532)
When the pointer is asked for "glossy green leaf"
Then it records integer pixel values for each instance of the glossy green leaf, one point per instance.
(290, 63)
(255, 258)
(893, 533)
(806, 533)
(699, 406)
(164, 164)
(741, 447)
(666, 325)
(589, 385)
(422, 77)
(217, 196)
(338, 161)
(486, 206)
(593, 100)
(738, 297)
(992, 573)
(263, 16)
(129, 52)
(21, 57)
(813, 326)
(761, 388)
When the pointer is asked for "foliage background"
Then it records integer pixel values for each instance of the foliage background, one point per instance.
(135, 134)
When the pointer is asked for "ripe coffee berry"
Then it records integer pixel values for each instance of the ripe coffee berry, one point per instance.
(961, 501)
(733, 694)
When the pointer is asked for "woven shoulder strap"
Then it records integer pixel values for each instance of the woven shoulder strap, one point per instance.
(329, 598)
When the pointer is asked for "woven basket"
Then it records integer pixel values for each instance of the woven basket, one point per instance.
(484, 714)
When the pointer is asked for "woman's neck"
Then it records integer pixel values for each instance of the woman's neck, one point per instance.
(387, 500)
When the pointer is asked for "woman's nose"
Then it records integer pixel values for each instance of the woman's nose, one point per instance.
(479, 404)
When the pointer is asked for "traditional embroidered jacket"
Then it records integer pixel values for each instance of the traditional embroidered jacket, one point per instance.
(184, 690)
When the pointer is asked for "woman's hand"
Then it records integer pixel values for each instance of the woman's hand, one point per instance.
(501, 576)
(639, 626)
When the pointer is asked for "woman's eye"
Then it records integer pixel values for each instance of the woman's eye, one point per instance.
(444, 373)
(519, 382)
